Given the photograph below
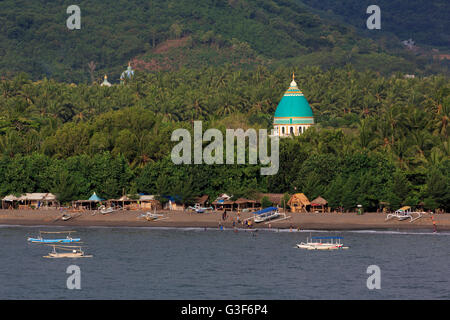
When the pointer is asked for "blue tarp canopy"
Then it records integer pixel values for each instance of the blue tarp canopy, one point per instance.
(174, 198)
(322, 238)
(265, 210)
(95, 197)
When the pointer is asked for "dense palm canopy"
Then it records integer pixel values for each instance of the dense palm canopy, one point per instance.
(378, 139)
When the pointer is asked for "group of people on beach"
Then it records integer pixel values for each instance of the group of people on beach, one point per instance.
(247, 223)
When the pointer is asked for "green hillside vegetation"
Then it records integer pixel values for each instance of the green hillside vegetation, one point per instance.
(377, 139)
(424, 21)
(35, 38)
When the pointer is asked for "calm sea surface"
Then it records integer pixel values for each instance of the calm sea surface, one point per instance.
(147, 263)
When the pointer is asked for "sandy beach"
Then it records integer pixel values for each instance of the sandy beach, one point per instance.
(310, 221)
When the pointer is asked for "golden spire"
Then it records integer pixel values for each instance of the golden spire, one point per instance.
(106, 77)
(293, 76)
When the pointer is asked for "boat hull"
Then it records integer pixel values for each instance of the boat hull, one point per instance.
(266, 218)
(320, 246)
(67, 255)
(37, 240)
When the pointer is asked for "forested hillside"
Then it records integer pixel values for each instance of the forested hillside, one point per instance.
(425, 21)
(34, 38)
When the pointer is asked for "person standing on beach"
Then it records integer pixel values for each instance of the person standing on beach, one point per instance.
(434, 224)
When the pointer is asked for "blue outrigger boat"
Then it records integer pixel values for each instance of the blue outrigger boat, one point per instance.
(266, 214)
(41, 239)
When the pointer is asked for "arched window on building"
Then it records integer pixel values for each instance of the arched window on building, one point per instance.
(292, 130)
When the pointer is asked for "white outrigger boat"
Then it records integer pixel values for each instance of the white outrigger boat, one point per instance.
(317, 243)
(149, 216)
(105, 210)
(199, 209)
(72, 252)
(404, 213)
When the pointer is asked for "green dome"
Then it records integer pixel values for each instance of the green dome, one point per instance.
(293, 104)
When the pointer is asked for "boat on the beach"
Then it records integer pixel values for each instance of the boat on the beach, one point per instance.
(105, 210)
(149, 216)
(66, 217)
(199, 209)
(318, 243)
(41, 239)
(266, 214)
(71, 252)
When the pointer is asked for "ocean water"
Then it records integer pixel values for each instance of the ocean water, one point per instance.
(149, 263)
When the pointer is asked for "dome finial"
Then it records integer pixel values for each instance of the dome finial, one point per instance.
(105, 82)
(293, 83)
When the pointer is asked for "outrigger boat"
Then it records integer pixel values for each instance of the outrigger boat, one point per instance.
(316, 243)
(404, 213)
(199, 209)
(266, 214)
(72, 252)
(66, 217)
(153, 216)
(40, 239)
(104, 210)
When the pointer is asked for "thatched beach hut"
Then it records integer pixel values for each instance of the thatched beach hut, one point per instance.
(242, 203)
(201, 201)
(124, 202)
(298, 202)
(319, 203)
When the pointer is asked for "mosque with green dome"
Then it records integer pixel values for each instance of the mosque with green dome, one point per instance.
(293, 115)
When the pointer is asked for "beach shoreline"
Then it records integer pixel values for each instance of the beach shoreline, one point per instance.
(180, 219)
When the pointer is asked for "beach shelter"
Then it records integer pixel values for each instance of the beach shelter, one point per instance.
(87, 204)
(149, 202)
(298, 202)
(9, 201)
(319, 202)
(202, 200)
(243, 203)
(95, 197)
(174, 203)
